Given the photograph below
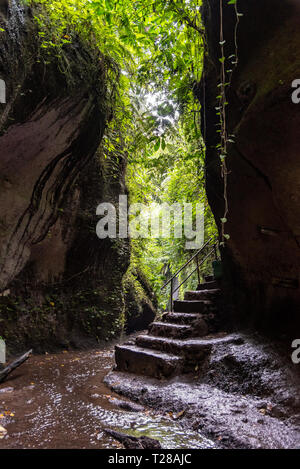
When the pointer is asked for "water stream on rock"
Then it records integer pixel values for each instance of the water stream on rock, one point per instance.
(60, 401)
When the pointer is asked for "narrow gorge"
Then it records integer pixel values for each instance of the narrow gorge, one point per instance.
(171, 323)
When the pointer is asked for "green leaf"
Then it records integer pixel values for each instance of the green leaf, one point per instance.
(157, 145)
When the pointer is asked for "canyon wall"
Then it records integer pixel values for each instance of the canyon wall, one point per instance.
(262, 257)
(59, 284)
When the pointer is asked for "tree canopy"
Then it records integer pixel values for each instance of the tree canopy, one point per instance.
(153, 51)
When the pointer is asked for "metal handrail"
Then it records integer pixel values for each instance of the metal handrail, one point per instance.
(195, 256)
(202, 262)
(187, 263)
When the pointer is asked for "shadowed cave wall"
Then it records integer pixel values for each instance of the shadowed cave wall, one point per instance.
(261, 260)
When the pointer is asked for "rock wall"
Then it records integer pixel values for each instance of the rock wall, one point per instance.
(59, 284)
(140, 300)
(261, 260)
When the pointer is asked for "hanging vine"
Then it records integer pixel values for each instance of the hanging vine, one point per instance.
(225, 82)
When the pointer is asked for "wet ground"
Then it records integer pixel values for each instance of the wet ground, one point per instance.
(247, 395)
(60, 401)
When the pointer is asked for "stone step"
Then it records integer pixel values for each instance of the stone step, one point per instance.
(184, 306)
(199, 328)
(165, 329)
(181, 318)
(148, 362)
(208, 286)
(192, 350)
(202, 294)
(174, 346)
(209, 278)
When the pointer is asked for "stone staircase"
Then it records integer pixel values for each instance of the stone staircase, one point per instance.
(181, 341)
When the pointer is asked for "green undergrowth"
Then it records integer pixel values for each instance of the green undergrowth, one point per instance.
(148, 56)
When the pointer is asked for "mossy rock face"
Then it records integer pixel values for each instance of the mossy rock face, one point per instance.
(50, 128)
(70, 292)
(261, 267)
(140, 301)
(60, 285)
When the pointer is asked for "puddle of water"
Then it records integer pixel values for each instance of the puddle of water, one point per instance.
(60, 401)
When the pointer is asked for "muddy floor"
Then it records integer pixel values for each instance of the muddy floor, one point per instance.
(60, 401)
(246, 396)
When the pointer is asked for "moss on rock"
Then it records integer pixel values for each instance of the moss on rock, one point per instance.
(140, 301)
(60, 285)
(261, 258)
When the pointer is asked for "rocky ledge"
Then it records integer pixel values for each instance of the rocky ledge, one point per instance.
(247, 396)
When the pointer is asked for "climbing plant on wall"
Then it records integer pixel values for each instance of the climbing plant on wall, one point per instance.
(153, 53)
(227, 67)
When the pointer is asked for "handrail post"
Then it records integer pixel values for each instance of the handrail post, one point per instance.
(198, 269)
(171, 297)
(215, 251)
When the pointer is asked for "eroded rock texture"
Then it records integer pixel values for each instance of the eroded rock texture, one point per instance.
(58, 281)
(49, 130)
(262, 257)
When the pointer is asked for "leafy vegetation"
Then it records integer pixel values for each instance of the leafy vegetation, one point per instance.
(153, 51)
